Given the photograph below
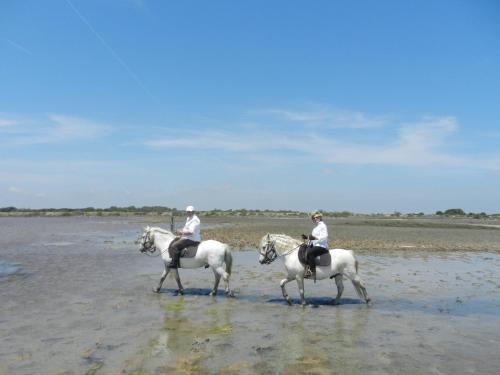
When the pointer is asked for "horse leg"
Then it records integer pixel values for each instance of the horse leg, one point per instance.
(162, 279)
(178, 280)
(340, 288)
(225, 276)
(300, 284)
(217, 280)
(283, 289)
(357, 283)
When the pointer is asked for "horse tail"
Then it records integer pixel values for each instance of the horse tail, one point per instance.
(356, 264)
(228, 259)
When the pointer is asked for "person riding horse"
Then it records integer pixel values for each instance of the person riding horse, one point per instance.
(190, 236)
(317, 244)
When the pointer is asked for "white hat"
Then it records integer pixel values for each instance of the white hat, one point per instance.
(189, 209)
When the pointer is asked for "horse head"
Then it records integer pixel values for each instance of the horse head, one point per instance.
(147, 241)
(267, 250)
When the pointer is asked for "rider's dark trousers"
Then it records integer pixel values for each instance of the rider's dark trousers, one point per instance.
(176, 247)
(312, 253)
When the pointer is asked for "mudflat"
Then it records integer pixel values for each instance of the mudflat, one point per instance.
(75, 297)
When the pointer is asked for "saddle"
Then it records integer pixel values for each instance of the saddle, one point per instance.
(323, 260)
(187, 252)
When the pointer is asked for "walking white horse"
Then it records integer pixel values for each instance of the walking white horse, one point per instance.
(211, 253)
(343, 263)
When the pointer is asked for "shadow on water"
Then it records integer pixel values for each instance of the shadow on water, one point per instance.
(318, 301)
(191, 291)
(312, 301)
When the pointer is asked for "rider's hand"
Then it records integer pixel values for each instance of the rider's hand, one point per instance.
(304, 237)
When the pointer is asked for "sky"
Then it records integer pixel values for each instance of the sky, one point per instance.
(364, 106)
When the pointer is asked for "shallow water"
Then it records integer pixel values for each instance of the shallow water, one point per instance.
(76, 299)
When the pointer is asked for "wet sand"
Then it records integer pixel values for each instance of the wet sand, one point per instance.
(76, 299)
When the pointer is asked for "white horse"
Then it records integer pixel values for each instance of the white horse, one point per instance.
(214, 254)
(343, 263)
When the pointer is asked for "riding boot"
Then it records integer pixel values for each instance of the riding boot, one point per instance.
(174, 263)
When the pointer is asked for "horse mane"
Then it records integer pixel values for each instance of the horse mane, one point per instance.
(158, 229)
(284, 243)
(161, 230)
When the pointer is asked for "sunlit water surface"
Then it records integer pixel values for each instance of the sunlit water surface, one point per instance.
(76, 299)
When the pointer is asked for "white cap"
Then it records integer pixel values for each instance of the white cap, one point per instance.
(189, 209)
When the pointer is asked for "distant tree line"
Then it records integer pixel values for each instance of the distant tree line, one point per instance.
(162, 210)
(460, 212)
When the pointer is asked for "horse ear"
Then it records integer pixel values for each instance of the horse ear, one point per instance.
(268, 235)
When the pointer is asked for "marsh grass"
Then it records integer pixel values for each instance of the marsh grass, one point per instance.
(363, 234)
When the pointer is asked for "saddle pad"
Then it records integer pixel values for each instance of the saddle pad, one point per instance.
(189, 252)
(323, 260)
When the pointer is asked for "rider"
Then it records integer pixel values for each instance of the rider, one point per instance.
(318, 243)
(190, 236)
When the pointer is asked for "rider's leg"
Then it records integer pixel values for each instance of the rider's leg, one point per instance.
(175, 252)
(176, 249)
(312, 253)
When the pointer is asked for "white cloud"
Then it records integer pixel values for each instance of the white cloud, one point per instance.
(68, 127)
(6, 122)
(422, 143)
(331, 118)
(56, 128)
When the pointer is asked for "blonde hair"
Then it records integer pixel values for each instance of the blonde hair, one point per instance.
(316, 213)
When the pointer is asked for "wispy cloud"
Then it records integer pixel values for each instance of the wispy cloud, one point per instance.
(14, 189)
(420, 143)
(332, 118)
(68, 127)
(18, 46)
(106, 45)
(7, 122)
(55, 128)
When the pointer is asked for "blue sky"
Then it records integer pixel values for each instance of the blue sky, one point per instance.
(365, 106)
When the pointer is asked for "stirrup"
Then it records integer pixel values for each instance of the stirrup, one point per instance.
(308, 273)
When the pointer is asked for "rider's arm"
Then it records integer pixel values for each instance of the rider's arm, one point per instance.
(320, 232)
(190, 227)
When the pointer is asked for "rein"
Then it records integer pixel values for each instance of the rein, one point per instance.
(271, 254)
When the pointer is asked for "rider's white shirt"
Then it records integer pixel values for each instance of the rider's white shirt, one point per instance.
(192, 225)
(321, 233)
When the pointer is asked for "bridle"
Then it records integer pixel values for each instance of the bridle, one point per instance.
(269, 252)
(147, 243)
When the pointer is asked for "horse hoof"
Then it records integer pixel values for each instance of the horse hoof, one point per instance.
(212, 293)
(156, 290)
(289, 302)
(180, 292)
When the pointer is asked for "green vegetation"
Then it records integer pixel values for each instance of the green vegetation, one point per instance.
(242, 212)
